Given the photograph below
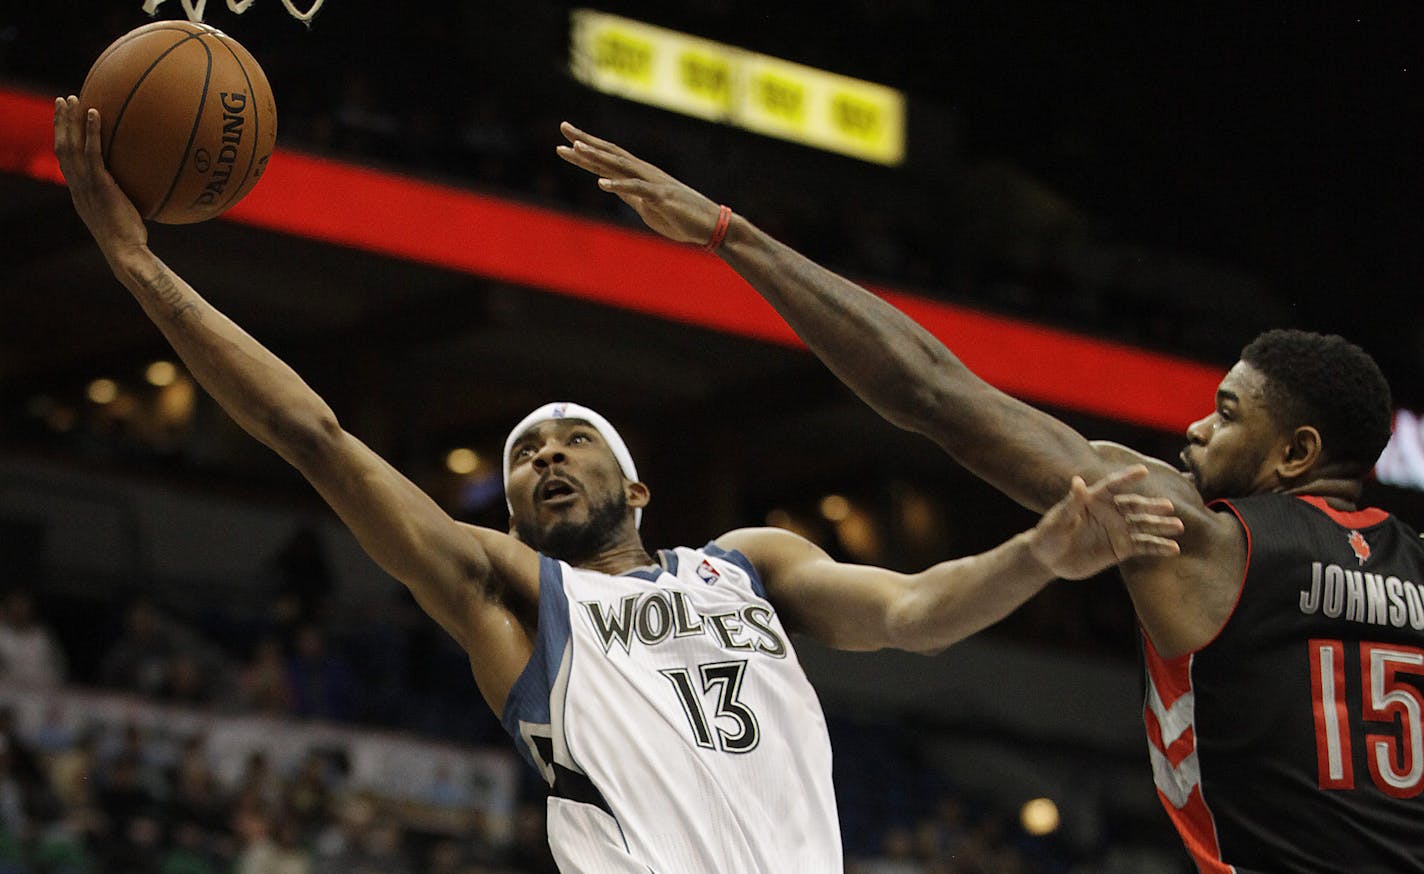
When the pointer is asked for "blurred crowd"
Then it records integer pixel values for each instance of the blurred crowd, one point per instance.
(130, 801)
(114, 797)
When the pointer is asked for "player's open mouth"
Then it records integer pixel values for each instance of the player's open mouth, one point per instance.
(556, 491)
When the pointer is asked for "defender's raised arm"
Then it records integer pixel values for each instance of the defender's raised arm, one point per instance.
(889, 360)
(913, 380)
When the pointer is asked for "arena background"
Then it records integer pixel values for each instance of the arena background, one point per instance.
(1162, 178)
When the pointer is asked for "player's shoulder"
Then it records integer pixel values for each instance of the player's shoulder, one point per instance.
(765, 542)
(1166, 481)
(752, 534)
(1114, 451)
(771, 552)
(1294, 507)
(513, 565)
(1118, 456)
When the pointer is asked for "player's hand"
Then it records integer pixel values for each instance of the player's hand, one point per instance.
(666, 205)
(1094, 528)
(105, 209)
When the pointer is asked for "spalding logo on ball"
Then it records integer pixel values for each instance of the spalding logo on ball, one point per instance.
(187, 118)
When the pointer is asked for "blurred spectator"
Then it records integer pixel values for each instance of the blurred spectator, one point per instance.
(363, 842)
(940, 835)
(196, 796)
(267, 848)
(384, 851)
(62, 847)
(141, 849)
(467, 856)
(23, 760)
(189, 682)
(190, 852)
(987, 845)
(307, 798)
(14, 816)
(320, 678)
(293, 857)
(147, 749)
(29, 653)
(128, 833)
(73, 772)
(530, 851)
(139, 660)
(55, 733)
(12, 854)
(266, 685)
(897, 855)
(258, 786)
(302, 578)
(160, 657)
(446, 857)
(447, 790)
(380, 651)
(340, 846)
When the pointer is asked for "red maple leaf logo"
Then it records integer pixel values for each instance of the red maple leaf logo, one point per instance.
(1360, 546)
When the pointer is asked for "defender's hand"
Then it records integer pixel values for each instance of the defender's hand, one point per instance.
(1092, 529)
(105, 209)
(666, 205)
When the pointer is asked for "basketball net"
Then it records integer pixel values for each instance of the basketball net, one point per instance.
(195, 8)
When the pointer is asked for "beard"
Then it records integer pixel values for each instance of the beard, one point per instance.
(1204, 487)
(574, 542)
(1223, 485)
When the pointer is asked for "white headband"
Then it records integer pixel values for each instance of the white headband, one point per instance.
(566, 410)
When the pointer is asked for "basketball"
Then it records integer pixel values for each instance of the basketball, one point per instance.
(187, 118)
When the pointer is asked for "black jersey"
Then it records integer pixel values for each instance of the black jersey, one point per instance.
(1294, 741)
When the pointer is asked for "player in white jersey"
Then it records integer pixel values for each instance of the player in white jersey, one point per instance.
(667, 711)
(660, 699)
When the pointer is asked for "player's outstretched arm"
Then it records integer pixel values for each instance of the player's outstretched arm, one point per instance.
(913, 380)
(450, 567)
(858, 607)
(895, 365)
(266, 397)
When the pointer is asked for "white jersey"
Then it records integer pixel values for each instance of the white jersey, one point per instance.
(678, 734)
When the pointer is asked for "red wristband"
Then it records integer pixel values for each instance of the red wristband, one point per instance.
(719, 233)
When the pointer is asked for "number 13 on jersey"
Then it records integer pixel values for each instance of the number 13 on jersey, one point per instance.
(725, 680)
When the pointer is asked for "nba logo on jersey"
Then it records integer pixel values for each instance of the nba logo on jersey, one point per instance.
(1360, 546)
(707, 573)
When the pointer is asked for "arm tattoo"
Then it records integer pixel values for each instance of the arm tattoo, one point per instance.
(166, 290)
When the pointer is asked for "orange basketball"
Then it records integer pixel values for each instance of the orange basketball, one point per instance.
(188, 122)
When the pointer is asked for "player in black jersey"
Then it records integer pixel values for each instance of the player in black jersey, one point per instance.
(1284, 645)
